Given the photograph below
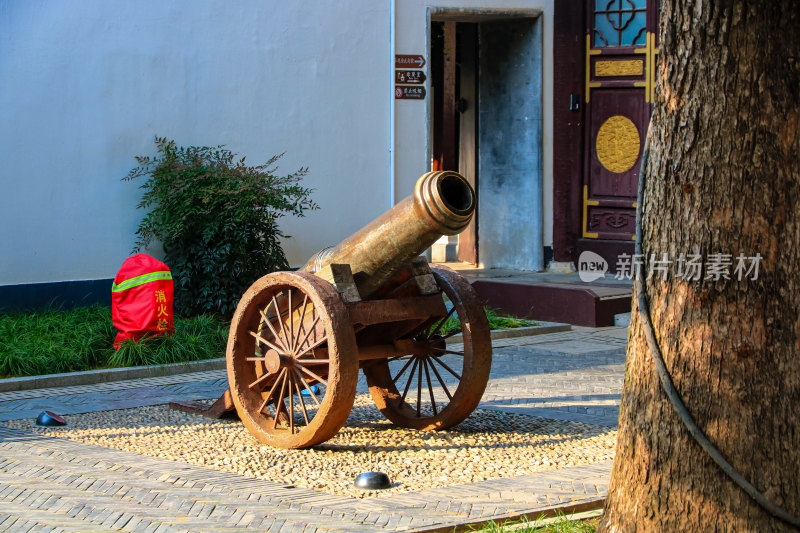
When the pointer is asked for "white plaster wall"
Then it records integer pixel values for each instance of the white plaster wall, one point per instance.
(413, 142)
(85, 85)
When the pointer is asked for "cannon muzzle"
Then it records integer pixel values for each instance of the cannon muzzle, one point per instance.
(442, 204)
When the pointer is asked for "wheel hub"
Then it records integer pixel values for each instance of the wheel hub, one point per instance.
(274, 361)
(436, 342)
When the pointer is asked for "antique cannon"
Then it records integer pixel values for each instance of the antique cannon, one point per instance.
(297, 339)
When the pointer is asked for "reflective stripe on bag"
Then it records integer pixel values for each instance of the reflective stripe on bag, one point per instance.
(141, 280)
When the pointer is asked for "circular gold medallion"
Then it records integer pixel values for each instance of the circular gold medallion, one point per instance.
(617, 144)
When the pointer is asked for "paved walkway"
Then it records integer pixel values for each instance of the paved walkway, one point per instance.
(49, 484)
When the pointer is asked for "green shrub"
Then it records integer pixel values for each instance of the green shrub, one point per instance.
(217, 220)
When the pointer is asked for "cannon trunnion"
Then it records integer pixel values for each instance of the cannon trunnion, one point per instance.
(298, 339)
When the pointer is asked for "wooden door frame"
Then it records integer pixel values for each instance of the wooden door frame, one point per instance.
(569, 21)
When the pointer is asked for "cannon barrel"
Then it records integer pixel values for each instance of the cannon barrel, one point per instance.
(442, 204)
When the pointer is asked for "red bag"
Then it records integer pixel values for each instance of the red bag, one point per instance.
(141, 299)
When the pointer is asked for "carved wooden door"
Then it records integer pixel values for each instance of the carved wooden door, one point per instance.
(621, 49)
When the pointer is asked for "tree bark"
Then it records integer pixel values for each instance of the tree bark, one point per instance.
(722, 178)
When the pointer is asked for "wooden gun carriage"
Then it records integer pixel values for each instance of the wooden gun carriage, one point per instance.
(298, 339)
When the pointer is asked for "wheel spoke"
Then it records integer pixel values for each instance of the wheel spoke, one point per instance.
(280, 321)
(291, 339)
(313, 361)
(436, 358)
(259, 381)
(314, 317)
(301, 328)
(305, 383)
(444, 351)
(302, 401)
(441, 322)
(419, 385)
(396, 357)
(413, 358)
(410, 377)
(290, 377)
(269, 394)
(315, 345)
(272, 329)
(305, 339)
(279, 404)
(265, 341)
(430, 387)
(441, 381)
(456, 332)
(313, 375)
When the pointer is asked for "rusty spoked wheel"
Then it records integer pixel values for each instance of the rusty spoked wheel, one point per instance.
(292, 360)
(441, 384)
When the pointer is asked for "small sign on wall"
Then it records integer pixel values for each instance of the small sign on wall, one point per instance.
(409, 61)
(411, 77)
(408, 83)
(409, 92)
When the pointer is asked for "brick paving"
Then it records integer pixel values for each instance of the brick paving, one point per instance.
(114, 395)
(51, 484)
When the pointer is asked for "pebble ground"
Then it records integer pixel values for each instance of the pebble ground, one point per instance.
(488, 445)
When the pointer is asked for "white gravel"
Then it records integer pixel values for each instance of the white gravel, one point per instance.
(489, 444)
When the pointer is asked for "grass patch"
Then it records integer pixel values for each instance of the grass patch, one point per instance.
(561, 524)
(56, 340)
(499, 321)
(496, 321)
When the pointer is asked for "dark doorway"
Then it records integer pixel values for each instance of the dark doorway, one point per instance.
(487, 124)
(454, 84)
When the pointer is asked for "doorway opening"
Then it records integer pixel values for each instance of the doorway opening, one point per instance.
(454, 88)
(486, 124)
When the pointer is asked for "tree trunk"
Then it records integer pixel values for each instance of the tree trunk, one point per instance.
(722, 178)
